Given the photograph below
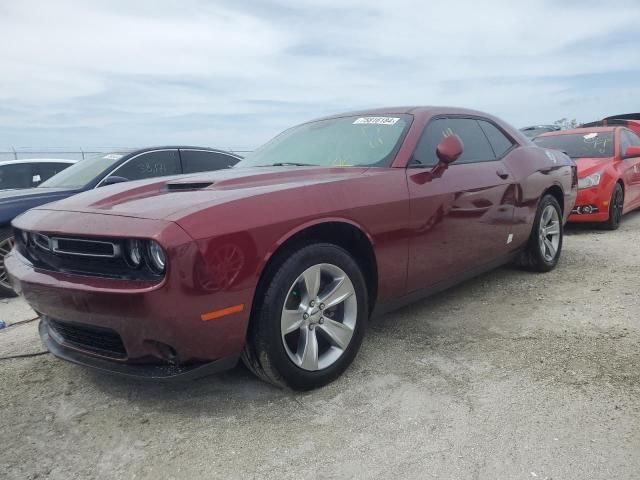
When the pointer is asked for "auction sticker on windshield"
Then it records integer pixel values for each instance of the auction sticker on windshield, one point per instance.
(376, 120)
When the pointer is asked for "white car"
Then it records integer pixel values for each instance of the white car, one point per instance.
(30, 172)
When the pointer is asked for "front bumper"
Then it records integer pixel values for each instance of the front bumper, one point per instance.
(163, 327)
(594, 201)
(156, 372)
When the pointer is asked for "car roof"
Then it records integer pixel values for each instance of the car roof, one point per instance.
(415, 109)
(37, 160)
(624, 116)
(577, 131)
(136, 151)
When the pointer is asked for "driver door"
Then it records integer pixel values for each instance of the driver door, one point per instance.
(631, 171)
(461, 220)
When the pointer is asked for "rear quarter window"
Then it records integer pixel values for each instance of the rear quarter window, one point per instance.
(194, 161)
(500, 143)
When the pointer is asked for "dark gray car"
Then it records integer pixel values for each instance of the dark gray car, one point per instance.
(101, 170)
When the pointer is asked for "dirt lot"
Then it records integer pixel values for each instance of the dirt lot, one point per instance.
(511, 375)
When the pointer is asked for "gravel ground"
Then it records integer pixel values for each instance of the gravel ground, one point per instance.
(511, 375)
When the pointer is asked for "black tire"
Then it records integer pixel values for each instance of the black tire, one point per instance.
(6, 237)
(265, 354)
(615, 208)
(532, 258)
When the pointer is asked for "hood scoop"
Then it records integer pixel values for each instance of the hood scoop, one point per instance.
(186, 186)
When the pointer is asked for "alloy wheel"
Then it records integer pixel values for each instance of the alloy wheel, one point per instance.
(319, 317)
(549, 234)
(5, 247)
(617, 205)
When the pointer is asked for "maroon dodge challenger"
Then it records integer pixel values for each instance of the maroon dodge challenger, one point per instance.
(282, 259)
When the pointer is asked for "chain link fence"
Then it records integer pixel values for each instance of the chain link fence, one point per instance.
(21, 153)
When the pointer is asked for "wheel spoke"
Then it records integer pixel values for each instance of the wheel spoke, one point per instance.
(308, 349)
(545, 216)
(553, 228)
(550, 248)
(5, 248)
(342, 289)
(311, 278)
(338, 334)
(290, 321)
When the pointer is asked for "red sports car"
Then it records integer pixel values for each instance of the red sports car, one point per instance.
(282, 259)
(608, 161)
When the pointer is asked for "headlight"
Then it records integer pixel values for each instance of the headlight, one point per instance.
(135, 253)
(156, 256)
(589, 181)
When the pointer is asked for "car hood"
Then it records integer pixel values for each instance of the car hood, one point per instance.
(587, 166)
(14, 202)
(18, 194)
(175, 197)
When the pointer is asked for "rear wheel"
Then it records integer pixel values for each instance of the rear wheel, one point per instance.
(545, 243)
(6, 244)
(615, 208)
(311, 320)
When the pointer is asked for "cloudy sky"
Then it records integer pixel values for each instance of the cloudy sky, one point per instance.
(231, 74)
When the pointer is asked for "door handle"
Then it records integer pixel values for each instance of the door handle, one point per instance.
(502, 174)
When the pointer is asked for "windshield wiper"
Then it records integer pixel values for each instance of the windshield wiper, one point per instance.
(290, 164)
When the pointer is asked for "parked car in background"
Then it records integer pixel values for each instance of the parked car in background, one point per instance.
(629, 120)
(282, 259)
(608, 161)
(100, 170)
(536, 130)
(28, 173)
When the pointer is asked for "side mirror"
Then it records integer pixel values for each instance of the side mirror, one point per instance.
(112, 180)
(631, 152)
(449, 149)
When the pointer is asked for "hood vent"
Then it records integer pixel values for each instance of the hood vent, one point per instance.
(182, 186)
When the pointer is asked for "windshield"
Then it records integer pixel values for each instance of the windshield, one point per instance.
(83, 172)
(580, 145)
(337, 142)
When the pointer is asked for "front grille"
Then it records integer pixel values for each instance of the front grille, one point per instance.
(84, 247)
(99, 257)
(95, 339)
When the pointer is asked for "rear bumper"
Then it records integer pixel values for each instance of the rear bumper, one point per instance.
(139, 371)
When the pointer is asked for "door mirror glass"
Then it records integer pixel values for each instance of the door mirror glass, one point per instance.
(449, 149)
(113, 180)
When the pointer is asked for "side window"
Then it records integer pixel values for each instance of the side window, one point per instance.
(202, 161)
(635, 139)
(625, 142)
(476, 145)
(44, 171)
(149, 165)
(630, 139)
(498, 140)
(16, 176)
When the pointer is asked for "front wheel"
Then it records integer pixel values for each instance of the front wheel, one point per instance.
(310, 322)
(6, 244)
(545, 242)
(615, 208)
